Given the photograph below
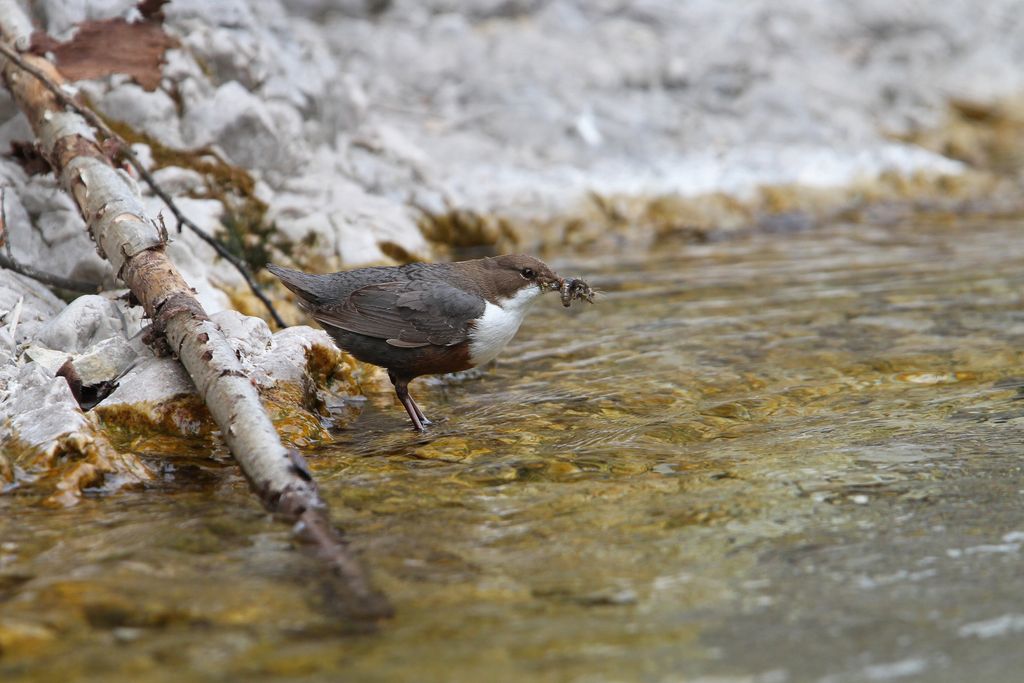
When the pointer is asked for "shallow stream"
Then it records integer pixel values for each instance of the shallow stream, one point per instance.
(780, 457)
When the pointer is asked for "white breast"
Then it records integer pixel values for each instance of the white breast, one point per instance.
(498, 325)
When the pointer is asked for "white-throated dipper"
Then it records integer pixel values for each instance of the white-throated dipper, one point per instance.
(427, 318)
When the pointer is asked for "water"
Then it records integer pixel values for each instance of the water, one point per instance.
(773, 458)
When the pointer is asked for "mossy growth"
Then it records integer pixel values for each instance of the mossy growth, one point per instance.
(986, 136)
(184, 415)
(298, 426)
(603, 222)
(331, 370)
(172, 425)
(60, 471)
(468, 233)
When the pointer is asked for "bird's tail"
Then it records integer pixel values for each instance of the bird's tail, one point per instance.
(305, 286)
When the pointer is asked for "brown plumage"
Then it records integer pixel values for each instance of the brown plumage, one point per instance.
(423, 318)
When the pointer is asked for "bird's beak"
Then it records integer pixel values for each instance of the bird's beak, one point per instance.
(554, 284)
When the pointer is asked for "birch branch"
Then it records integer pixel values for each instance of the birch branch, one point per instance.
(96, 122)
(111, 206)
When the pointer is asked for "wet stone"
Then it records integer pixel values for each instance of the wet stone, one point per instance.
(22, 638)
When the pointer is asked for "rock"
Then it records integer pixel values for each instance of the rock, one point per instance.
(335, 218)
(104, 361)
(37, 306)
(303, 357)
(156, 395)
(19, 637)
(249, 335)
(154, 113)
(47, 443)
(88, 320)
(40, 215)
(13, 127)
(46, 436)
(48, 359)
(296, 371)
(152, 380)
(180, 182)
(253, 133)
(37, 407)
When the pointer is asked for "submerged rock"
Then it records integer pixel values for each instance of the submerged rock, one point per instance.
(49, 442)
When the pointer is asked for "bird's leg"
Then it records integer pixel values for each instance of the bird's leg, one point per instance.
(416, 407)
(402, 391)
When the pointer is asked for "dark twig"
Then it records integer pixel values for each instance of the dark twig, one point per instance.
(48, 278)
(133, 159)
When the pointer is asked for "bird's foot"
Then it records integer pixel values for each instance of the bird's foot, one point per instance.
(417, 424)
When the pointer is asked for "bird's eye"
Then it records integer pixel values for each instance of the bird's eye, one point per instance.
(528, 273)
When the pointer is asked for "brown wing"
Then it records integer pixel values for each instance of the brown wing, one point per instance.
(407, 314)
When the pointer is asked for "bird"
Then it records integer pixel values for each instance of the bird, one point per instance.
(427, 318)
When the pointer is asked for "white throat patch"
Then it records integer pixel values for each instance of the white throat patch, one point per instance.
(499, 324)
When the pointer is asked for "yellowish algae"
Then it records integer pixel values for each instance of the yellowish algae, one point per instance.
(984, 135)
(747, 445)
(326, 371)
(58, 472)
(988, 185)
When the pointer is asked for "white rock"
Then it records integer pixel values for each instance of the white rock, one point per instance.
(48, 359)
(347, 222)
(179, 182)
(105, 361)
(253, 133)
(61, 16)
(38, 305)
(150, 381)
(154, 113)
(266, 359)
(250, 336)
(40, 215)
(285, 360)
(88, 320)
(36, 407)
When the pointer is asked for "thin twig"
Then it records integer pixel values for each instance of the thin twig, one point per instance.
(182, 219)
(48, 278)
(4, 237)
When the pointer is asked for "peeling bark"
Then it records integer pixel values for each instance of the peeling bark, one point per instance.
(110, 204)
(110, 46)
